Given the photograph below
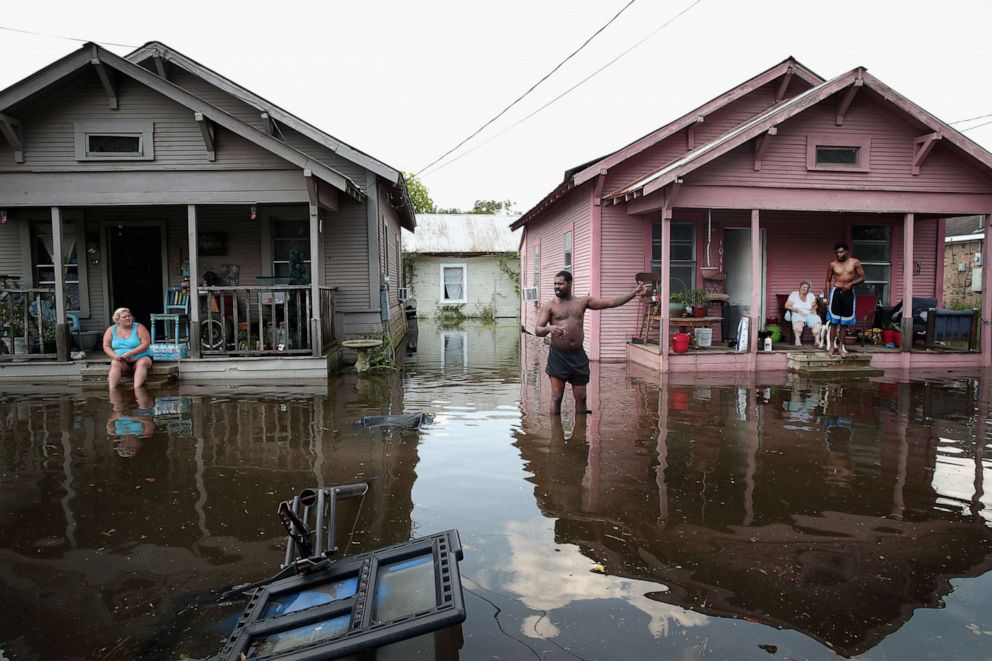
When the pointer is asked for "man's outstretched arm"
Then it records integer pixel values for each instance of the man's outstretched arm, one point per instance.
(604, 303)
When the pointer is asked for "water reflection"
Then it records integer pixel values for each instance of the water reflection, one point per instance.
(730, 517)
(834, 510)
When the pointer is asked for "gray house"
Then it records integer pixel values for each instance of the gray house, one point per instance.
(467, 262)
(152, 182)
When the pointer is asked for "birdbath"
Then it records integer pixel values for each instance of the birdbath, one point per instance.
(362, 347)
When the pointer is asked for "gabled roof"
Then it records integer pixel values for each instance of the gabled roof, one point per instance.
(786, 69)
(780, 113)
(461, 233)
(157, 49)
(93, 55)
(400, 196)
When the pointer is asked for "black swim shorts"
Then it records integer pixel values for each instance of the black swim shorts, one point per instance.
(569, 366)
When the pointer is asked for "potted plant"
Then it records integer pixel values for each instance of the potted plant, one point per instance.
(774, 328)
(676, 303)
(700, 302)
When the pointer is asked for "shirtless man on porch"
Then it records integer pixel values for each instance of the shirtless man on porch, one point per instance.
(843, 274)
(562, 318)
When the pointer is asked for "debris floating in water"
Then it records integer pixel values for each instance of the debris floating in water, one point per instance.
(598, 569)
(403, 421)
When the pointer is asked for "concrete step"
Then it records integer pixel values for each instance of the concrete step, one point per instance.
(94, 375)
(819, 360)
(841, 372)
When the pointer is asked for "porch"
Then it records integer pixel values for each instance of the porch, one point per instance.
(761, 256)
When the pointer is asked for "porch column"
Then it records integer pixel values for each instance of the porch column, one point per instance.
(315, 340)
(194, 282)
(665, 329)
(907, 288)
(755, 286)
(986, 328)
(61, 336)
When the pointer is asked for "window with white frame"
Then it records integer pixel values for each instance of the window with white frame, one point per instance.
(454, 283)
(567, 250)
(682, 255)
(115, 140)
(872, 244)
(291, 248)
(535, 277)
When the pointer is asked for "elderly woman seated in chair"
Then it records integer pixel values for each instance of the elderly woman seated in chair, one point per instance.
(801, 307)
(126, 342)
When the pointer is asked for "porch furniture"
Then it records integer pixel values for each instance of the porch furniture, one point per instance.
(864, 312)
(177, 303)
(362, 347)
(166, 345)
(687, 324)
(648, 305)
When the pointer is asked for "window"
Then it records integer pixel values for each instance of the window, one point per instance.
(567, 249)
(75, 273)
(115, 140)
(683, 255)
(872, 244)
(535, 278)
(844, 153)
(291, 250)
(453, 284)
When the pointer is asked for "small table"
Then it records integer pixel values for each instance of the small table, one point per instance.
(362, 347)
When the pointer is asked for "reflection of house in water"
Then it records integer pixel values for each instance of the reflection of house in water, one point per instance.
(469, 345)
(96, 534)
(825, 510)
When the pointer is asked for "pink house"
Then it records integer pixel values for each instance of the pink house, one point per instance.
(759, 183)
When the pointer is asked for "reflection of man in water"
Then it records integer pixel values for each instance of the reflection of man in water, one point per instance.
(842, 275)
(562, 318)
(126, 427)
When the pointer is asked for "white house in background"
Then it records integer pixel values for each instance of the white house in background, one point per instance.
(468, 261)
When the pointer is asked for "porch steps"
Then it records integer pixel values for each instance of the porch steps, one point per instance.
(820, 365)
(93, 374)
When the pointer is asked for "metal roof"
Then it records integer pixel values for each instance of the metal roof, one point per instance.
(461, 233)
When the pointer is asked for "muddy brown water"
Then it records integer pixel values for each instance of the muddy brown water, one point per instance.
(764, 518)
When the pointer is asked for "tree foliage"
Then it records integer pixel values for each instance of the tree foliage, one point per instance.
(493, 207)
(419, 195)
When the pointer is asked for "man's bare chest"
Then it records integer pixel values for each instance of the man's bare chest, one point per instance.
(566, 312)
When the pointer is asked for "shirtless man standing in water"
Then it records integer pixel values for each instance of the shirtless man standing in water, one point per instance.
(842, 275)
(561, 318)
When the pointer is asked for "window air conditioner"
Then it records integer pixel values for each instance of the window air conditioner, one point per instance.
(530, 294)
(403, 294)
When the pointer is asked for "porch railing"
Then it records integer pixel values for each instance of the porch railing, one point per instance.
(328, 302)
(255, 320)
(27, 324)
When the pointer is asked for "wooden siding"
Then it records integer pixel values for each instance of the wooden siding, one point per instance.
(11, 261)
(389, 246)
(572, 214)
(49, 134)
(784, 162)
(487, 286)
(346, 257)
(624, 255)
(714, 125)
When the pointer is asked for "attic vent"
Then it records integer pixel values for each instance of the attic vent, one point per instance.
(115, 140)
(837, 155)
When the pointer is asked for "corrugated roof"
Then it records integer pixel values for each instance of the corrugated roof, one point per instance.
(461, 233)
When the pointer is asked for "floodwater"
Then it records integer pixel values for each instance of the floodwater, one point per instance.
(760, 519)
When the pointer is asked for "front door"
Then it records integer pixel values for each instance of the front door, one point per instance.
(136, 270)
(737, 264)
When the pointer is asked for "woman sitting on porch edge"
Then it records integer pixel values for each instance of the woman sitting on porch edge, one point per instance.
(126, 343)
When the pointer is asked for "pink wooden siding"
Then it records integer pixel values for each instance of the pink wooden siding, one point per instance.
(714, 125)
(572, 214)
(623, 257)
(784, 162)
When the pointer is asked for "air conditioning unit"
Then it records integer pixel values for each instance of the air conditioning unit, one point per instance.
(403, 294)
(530, 294)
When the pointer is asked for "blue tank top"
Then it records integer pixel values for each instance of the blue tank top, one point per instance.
(121, 345)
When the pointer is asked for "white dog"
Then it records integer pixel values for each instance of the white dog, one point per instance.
(820, 335)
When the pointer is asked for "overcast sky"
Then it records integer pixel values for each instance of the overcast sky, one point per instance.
(406, 81)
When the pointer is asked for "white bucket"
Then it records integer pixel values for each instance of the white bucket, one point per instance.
(704, 337)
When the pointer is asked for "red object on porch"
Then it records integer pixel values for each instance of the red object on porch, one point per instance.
(680, 342)
(699, 311)
(888, 336)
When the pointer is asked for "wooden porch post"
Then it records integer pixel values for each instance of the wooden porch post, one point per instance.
(194, 282)
(755, 285)
(61, 336)
(907, 288)
(664, 332)
(315, 339)
(986, 312)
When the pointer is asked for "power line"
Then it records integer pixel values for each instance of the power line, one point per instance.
(970, 119)
(532, 88)
(978, 126)
(58, 36)
(570, 89)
